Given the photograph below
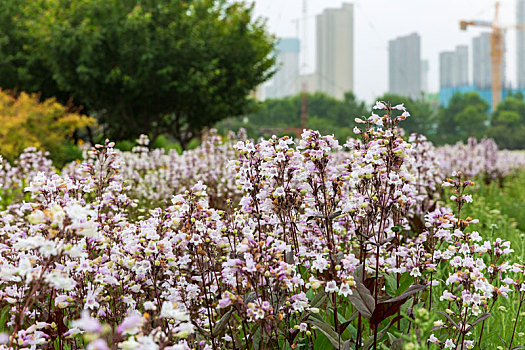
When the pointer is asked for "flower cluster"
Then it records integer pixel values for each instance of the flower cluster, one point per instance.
(241, 244)
(482, 159)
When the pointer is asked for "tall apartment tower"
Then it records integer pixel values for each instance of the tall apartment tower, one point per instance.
(335, 50)
(424, 75)
(446, 69)
(461, 69)
(520, 43)
(404, 65)
(481, 62)
(453, 67)
(285, 80)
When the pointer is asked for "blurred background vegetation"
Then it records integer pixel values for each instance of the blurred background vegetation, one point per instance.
(466, 116)
(172, 69)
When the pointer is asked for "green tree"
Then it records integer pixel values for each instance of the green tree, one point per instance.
(422, 118)
(163, 67)
(20, 68)
(508, 123)
(466, 116)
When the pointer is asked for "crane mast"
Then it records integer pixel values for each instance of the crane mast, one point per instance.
(497, 37)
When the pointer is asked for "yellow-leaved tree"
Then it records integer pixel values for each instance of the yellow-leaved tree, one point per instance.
(25, 121)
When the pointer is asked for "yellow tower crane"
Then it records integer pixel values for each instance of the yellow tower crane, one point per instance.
(496, 49)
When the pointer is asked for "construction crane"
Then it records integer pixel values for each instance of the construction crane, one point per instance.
(496, 49)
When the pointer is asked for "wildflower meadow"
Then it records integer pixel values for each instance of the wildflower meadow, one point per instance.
(385, 242)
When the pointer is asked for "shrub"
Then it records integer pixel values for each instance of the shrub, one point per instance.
(27, 122)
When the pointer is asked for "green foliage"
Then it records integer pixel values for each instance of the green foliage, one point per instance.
(508, 123)
(507, 200)
(20, 68)
(466, 116)
(500, 213)
(324, 113)
(153, 66)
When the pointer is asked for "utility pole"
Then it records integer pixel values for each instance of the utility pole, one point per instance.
(304, 84)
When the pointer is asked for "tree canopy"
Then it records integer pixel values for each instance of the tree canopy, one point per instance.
(141, 66)
(508, 123)
(465, 116)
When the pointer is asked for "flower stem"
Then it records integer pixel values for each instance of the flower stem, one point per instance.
(515, 324)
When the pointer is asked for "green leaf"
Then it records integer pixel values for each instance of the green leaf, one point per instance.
(256, 338)
(405, 281)
(344, 325)
(347, 345)
(481, 318)
(319, 298)
(322, 342)
(223, 322)
(326, 329)
(3, 316)
(390, 284)
(362, 300)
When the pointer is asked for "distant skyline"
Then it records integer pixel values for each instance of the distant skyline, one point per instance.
(378, 21)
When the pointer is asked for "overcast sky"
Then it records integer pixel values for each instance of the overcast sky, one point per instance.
(378, 21)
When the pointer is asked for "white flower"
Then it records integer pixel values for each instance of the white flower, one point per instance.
(87, 323)
(320, 264)
(60, 281)
(129, 344)
(77, 212)
(36, 217)
(400, 107)
(131, 324)
(331, 287)
(169, 311)
(447, 296)
(379, 105)
(415, 272)
(57, 214)
(149, 305)
(433, 339)
(449, 344)
(467, 198)
(345, 290)
(86, 229)
(24, 269)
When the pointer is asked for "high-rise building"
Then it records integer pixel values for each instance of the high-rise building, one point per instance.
(461, 69)
(453, 67)
(284, 82)
(404, 65)
(481, 62)
(520, 43)
(424, 75)
(335, 50)
(446, 69)
(481, 65)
